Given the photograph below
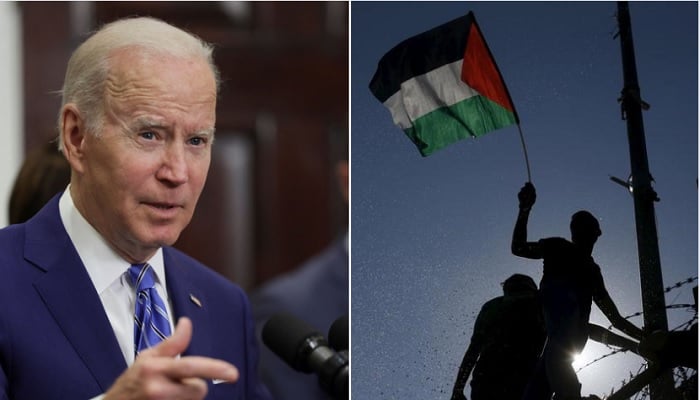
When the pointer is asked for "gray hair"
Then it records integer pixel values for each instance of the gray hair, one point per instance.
(89, 66)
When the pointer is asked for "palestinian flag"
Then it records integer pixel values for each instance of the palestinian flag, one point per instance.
(443, 86)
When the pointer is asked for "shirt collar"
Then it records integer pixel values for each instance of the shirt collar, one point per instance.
(102, 263)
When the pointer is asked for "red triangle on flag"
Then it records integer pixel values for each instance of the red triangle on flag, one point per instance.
(479, 70)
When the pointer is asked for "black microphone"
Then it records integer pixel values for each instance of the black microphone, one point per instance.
(306, 350)
(338, 334)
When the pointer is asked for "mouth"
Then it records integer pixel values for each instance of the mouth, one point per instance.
(162, 206)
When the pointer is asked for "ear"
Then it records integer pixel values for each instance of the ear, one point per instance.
(73, 133)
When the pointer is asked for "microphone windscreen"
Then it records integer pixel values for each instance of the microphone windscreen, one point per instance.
(338, 334)
(289, 338)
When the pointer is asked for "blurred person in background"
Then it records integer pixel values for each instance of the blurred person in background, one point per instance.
(44, 173)
(317, 292)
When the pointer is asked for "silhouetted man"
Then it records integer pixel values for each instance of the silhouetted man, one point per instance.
(508, 337)
(571, 280)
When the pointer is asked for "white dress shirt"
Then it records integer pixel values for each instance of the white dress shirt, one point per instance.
(109, 274)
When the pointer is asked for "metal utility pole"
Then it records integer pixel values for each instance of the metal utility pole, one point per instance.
(653, 302)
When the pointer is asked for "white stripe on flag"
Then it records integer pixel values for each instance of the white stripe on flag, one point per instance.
(422, 94)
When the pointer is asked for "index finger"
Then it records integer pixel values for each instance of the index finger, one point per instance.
(200, 367)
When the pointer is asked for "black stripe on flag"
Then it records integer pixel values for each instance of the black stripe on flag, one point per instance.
(420, 54)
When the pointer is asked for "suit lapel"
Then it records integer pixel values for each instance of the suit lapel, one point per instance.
(68, 293)
(188, 300)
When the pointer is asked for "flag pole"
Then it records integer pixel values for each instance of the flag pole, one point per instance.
(527, 160)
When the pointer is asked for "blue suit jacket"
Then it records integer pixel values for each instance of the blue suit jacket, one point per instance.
(56, 341)
(316, 293)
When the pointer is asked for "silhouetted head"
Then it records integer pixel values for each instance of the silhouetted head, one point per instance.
(519, 283)
(584, 228)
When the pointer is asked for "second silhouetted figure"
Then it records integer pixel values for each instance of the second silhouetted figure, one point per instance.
(508, 337)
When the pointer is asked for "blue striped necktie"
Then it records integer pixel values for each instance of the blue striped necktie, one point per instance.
(151, 324)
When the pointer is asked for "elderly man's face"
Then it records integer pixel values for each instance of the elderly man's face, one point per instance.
(141, 177)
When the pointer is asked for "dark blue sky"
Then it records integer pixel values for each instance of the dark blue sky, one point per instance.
(431, 236)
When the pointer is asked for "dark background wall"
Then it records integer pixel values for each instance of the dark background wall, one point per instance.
(271, 200)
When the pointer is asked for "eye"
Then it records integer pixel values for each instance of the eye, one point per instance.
(197, 141)
(148, 135)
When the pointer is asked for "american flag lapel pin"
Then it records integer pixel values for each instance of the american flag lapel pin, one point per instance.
(195, 300)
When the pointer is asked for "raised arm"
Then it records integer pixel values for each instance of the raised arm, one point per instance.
(519, 245)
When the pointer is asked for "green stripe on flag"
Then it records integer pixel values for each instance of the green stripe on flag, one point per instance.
(472, 117)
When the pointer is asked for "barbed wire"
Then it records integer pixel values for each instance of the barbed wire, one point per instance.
(671, 306)
(681, 283)
(668, 289)
(681, 374)
(642, 394)
(604, 356)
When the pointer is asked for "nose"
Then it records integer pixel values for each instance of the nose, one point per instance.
(174, 169)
